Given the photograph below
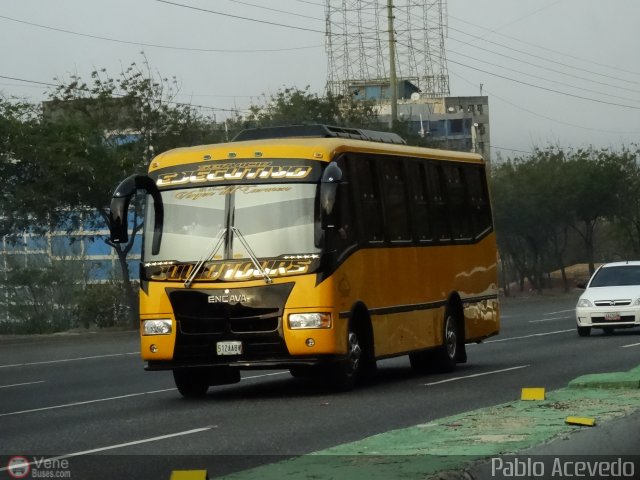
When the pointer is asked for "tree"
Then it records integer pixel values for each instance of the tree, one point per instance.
(87, 138)
(291, 106)
(597, 177)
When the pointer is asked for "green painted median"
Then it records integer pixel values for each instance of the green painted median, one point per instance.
(451, 443)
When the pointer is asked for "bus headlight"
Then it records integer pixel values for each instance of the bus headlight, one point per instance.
(156, 327)
(309, 320)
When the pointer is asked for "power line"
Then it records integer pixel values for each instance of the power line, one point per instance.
(548, 80)
(520, 107)
(545, 48)
(154, 45)
(276, 10)
(29, 81)
(567, 94)
(86, 89)
(240, 17)
(545, 88)
(495, 147)
(539, 57)
(547, 68)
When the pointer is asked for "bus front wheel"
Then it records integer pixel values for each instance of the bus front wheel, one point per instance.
(344, 373)
(191, 382)
(194, 382)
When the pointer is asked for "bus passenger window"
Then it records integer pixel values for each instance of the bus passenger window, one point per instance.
(437, 203)
(478, 199)
(395, 199)
(369, 204)
(419, 198)
(345, 235)
(458, 208)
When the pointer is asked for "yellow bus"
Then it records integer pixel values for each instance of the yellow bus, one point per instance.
(311, 248)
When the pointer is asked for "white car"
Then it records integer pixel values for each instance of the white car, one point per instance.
(611, 299)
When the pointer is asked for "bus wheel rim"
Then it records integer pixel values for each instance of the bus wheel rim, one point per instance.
(355, 352)
(451, 339)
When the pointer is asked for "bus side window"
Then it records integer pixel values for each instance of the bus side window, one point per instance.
(478, 199)
(459, 211)
(395, 199)
(345, 236)
(422, 226)
(368, 204)
(437, 203)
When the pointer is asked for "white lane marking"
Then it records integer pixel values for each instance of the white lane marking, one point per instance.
(632, 345)
(549, 319)
(560, 311)
(119, 397)
(69, 360)
(86, 402)
(120, 445)
(454, 379)
(529, 336)
(21, 384)
(265, 375)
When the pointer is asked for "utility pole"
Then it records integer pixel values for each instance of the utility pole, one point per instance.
(393, 81)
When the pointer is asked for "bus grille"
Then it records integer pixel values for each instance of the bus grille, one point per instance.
(255, 321)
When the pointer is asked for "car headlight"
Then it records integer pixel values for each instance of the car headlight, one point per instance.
(637, 302)
(157, 327)
(583, 302)
(309, 320)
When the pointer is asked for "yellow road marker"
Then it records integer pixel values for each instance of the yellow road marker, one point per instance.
(532, 394)
(189, 475)
(585, 421)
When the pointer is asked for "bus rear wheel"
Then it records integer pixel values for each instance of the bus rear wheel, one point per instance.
(443, 358)
(446, 356)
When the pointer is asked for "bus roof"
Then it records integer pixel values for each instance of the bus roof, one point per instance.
(312, 148)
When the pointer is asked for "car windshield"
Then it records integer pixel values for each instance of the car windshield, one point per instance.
(274, 219)
(617, 276)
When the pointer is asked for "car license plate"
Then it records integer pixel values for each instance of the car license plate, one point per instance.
(612, 317)
(229, 348)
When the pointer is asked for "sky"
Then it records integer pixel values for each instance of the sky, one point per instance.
(557, 72)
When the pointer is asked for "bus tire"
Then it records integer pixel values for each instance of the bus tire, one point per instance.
(420, 361)
(344, 373)
(194, 382)
(191, 382)
(445, 356)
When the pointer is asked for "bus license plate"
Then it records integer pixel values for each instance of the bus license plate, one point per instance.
(612, 317)
(229, 348)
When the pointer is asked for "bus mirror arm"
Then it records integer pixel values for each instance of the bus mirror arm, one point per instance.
(331, 179)
(119, 208)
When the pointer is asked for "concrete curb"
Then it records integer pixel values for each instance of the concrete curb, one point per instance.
(447, 447)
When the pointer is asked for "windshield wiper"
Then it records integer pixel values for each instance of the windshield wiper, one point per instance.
(206, 258)
(219, 242)
(252, 255)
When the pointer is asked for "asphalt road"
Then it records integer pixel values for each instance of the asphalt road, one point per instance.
(87, 400)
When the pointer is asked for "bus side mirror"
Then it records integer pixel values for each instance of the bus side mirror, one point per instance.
(330, 181)
(119, 209)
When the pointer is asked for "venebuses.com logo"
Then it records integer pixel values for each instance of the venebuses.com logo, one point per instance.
(18, 467)
(21, 467)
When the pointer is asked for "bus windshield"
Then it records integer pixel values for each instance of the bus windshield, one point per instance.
(274, 219)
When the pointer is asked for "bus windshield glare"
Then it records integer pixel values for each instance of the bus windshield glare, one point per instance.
(274, 219)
